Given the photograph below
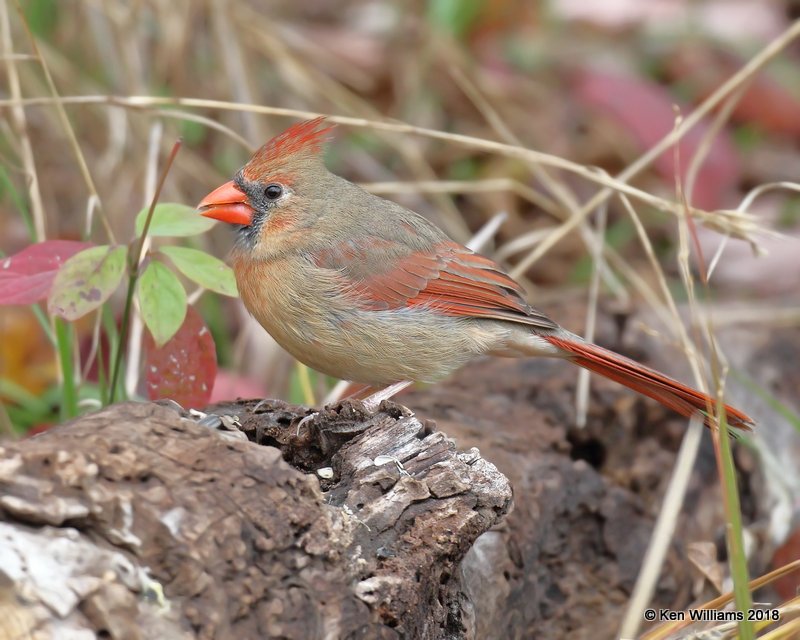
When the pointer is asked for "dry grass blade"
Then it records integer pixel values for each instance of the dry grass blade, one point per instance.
(485, 185)
(745, 205)
(673, 318)
(598, 266)
(664, 528)
(562, 194)
(207, 122)
(487, 232)
(761, 189)
(336, 393)
(667, 630)
(763, 315)
(21, 126)
(736, 223)
(67, 126)
(737, 80)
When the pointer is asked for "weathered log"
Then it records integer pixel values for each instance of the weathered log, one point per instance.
(136, 522)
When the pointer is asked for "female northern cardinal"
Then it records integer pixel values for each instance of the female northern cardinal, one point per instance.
(365, 290)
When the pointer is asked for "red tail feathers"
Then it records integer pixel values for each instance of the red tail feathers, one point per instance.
(648, 382)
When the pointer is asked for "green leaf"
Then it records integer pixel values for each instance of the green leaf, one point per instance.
(162, 301)
(204, 269)
(173, 219)
(86, 281)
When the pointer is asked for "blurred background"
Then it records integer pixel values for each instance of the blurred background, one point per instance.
(94, 94)
(596, 84)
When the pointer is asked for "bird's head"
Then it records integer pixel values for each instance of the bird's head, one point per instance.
(274, 193)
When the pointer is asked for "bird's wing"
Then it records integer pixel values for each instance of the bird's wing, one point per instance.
(384, 274)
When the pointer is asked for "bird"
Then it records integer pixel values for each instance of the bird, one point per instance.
(363, 289)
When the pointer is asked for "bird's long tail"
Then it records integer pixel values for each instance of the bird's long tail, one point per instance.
(649, 382)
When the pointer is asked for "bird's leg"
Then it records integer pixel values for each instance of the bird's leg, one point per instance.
(373, 401)
(340, 392)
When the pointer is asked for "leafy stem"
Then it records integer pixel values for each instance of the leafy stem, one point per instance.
(135, 259)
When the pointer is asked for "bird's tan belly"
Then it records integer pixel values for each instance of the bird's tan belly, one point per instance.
(378, 349)
(372, 347)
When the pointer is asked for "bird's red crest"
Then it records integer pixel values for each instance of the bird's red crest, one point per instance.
(301, 139)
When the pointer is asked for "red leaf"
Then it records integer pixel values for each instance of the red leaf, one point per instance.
(27, 276)
(645, 111)
(185, 367)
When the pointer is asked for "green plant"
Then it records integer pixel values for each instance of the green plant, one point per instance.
(77, 279)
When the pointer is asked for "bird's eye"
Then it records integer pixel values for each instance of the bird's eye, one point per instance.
(273, 191)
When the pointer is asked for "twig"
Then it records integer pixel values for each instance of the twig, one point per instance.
(137, 326)
(133, 268)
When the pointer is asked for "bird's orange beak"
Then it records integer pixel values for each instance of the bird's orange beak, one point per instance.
(227, 203)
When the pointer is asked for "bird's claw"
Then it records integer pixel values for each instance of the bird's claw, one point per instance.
(383, 459)
(228, 425)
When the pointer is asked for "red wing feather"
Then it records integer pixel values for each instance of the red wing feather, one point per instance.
(448, 278)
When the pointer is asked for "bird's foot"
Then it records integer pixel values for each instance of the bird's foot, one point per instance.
(344, 390)
(373, 401)
(228, 425)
